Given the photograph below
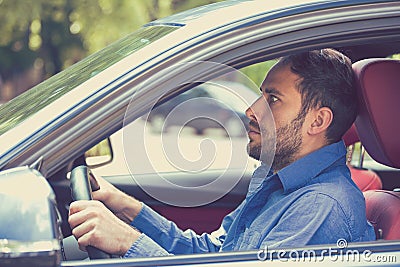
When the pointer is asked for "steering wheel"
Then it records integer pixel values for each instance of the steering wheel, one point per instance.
(81, 189)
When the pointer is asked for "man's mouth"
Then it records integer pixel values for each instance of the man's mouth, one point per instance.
(252, 135)
(254, 129)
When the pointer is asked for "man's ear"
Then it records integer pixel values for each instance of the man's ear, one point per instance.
(322, 119)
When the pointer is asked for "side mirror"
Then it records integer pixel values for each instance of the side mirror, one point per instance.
(30, 233)
(99, 155)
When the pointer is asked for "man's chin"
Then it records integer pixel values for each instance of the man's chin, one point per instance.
(253, 151)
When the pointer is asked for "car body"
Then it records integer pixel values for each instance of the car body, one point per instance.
(50, 127)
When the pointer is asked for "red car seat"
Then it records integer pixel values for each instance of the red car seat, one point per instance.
(363, 178)
(383, 213)
(378, 129)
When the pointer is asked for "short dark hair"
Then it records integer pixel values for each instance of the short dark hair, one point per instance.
(327, 80)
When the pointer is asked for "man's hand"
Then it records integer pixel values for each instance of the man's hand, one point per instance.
(122, 205)
(93, 224)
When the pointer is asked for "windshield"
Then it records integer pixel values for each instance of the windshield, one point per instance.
(35, 99)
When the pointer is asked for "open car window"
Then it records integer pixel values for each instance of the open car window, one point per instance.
(201, 129)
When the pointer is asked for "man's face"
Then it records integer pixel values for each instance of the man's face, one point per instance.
(280, 93)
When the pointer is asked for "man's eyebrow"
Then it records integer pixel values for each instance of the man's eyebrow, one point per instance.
(271, 91)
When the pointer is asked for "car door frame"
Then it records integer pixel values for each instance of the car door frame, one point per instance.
(104, 115)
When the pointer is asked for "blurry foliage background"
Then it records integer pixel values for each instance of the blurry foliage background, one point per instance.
(40, 38)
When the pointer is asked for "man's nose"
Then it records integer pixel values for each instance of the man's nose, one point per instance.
(250, 113)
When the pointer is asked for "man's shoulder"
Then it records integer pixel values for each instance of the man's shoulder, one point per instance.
(338, 189)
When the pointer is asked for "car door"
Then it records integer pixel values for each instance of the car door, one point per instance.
(263, 42)
(102, 113)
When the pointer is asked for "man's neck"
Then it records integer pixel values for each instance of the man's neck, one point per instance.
(304, 151)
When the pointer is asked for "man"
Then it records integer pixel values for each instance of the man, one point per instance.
(308, 197)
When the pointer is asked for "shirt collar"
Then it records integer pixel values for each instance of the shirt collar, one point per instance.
(258, 177)
(303, 170)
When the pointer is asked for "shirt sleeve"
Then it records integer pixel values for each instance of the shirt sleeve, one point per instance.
(145, 247)
(312, 219)
(163, 237)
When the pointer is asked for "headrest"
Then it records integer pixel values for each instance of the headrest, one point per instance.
(351, 136)
(379, 112)
(365, 179)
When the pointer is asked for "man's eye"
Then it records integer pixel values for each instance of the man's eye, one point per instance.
(272, 99)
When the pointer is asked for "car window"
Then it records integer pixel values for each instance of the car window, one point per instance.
(203, 128)
(191, 132)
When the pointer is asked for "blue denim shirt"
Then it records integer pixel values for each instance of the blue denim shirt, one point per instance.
(311, 201)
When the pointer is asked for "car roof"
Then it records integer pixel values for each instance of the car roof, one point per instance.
(233, 10)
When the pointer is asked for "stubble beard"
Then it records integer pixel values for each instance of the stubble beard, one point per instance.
(288, 144)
